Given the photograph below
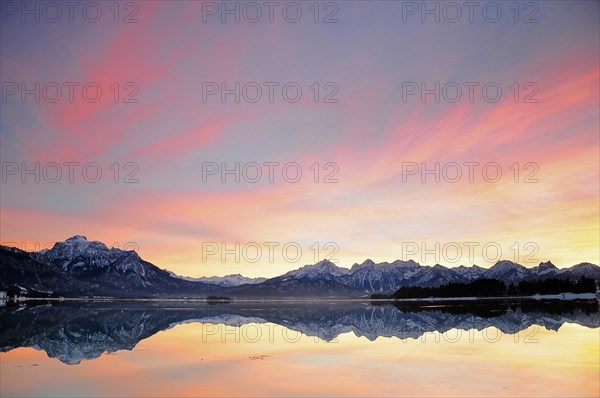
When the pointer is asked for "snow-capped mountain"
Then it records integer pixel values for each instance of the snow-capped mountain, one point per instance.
(313, 280)
(367, 263)
(227, 280)
(324, 270)
(583, 269)
(78, 256)
(507, 272)
(111, 271)
(383, 277)
(470, 273)
(434, 276)
(545, 269)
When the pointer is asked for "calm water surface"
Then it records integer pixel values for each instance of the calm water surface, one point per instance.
(525, 349)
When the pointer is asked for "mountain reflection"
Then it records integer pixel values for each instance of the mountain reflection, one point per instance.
(74, 331)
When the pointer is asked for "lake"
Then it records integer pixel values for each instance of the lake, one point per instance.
(524, 348)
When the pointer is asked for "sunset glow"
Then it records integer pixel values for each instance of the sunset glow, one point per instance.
(369, 202)
(216, 364)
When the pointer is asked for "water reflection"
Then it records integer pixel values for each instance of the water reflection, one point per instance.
(76, 331)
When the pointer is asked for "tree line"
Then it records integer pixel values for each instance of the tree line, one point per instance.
(495, 288)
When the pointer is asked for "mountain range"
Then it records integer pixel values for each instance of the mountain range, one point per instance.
(79, 267)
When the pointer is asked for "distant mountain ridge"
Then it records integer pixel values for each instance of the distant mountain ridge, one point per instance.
(224, 281)
(371, 277)
(78, 266)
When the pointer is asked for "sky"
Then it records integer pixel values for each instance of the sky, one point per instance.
(225, 137)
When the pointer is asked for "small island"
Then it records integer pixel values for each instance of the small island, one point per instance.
(218, 300)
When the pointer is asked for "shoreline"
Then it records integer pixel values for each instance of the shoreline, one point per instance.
(560, 296)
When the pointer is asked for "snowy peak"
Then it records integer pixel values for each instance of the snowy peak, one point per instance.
(324, 269)
(227, 280)
(434, 276)
(405, 265)
(507, 265)
(370, 277)
(507, 271)
(471, 268)
(77, 238)
(470, 273)
(367, 263)
(410, 264)
(584, 269)
(78, 253)
(547, 265)
(76, 245)
(544, 269)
